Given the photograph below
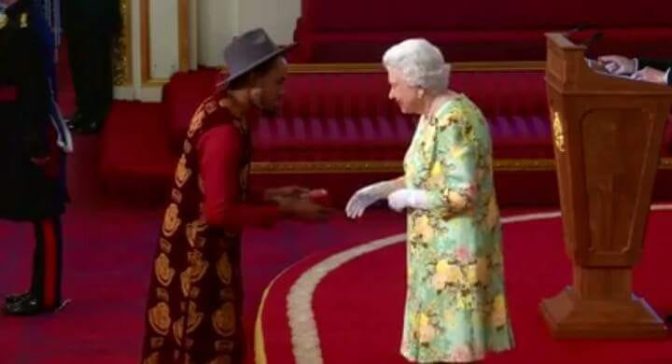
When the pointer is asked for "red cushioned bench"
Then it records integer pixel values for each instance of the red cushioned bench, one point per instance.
(338, 130)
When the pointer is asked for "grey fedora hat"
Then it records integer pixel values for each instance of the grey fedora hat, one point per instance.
(249, 50)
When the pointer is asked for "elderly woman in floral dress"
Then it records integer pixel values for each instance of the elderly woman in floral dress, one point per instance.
(456, 305)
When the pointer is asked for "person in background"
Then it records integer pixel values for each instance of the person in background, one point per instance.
(33, 143)
(91, 28)
(650, 70)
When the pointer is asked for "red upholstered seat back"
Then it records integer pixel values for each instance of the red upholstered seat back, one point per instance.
(341, 31)
(325, 95)
(430, 15)
(346, 114)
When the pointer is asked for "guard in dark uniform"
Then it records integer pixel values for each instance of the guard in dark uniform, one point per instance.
(33, 144)
(90, 30)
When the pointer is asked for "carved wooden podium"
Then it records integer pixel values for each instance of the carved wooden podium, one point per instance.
(607, 133)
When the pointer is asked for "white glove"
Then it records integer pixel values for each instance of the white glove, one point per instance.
(409, 198)
(366, 196)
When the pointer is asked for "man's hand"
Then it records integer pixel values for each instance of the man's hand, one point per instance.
(618, 65)
(274, 194)
(650, 75)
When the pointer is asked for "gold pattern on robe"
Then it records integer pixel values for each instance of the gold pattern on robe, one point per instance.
(164, 273)
(176, 195)
(210, 107)
(185, 279)
(194, 293)
(24, 20)
(182, 173)
(193, 231)
(3, 20)
(194, 318)
(162, 294)
(156, 342)
(171, 221)
(178, 330)
(152, 359)
(187, 147)
(224, 269)
(224, 319)
(224, 346)
(196, 123)
(165, 245)
(198, 266)
(159, 318)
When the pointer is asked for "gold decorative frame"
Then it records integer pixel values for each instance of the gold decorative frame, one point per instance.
(145, 38)
(123, 49)
(307, 68)
(184, 34)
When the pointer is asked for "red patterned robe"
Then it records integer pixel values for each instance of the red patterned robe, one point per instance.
(194, 307)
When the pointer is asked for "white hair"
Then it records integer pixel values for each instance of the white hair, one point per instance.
(420, 62)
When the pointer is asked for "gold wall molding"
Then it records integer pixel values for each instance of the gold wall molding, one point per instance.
(309, 68)
(498, 66)
(378, 166)
(338, 167)
(184, 38)
(123, 48)
(145, 38)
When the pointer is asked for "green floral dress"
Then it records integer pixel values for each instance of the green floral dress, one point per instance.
(456, 307)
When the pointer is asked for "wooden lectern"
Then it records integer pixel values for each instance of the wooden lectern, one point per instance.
(607, 134)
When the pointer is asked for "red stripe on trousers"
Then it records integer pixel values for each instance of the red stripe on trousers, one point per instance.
(49, 285)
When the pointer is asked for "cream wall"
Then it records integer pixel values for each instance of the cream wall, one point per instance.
(220, 20)
(163, 40)
(212, 24)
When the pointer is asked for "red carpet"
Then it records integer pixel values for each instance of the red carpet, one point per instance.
(358, 307)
